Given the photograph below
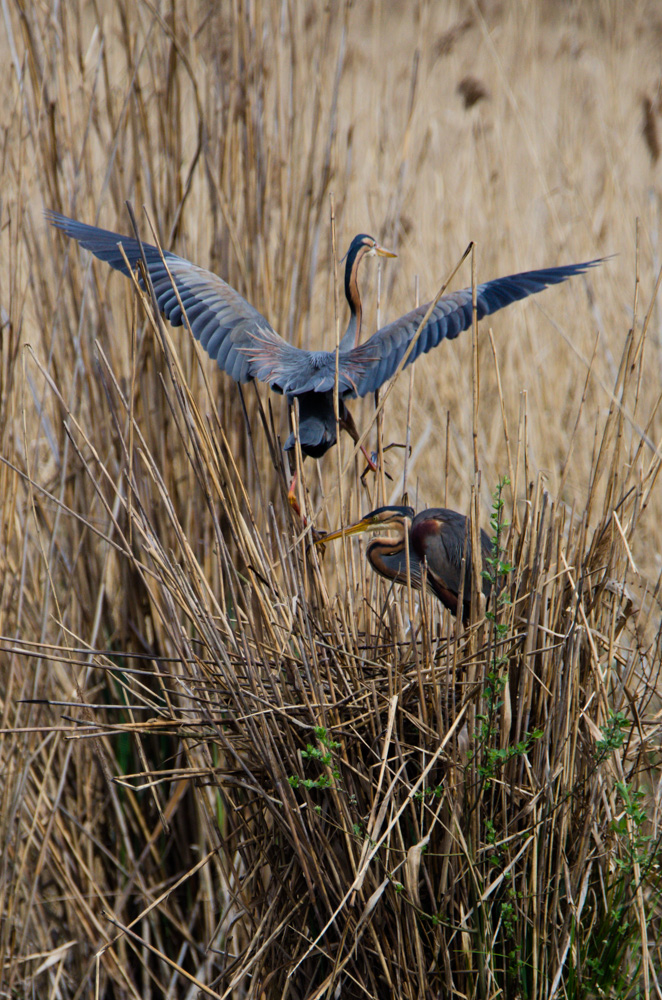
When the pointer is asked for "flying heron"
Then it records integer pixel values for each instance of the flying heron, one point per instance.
(245, 345)
(435, 537)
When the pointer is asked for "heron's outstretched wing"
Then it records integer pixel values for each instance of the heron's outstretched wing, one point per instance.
(230, 329)
(370, 364)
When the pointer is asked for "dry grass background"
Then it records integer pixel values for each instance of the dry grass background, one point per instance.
(250, 769)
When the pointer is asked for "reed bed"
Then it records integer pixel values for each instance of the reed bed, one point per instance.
(235, 764)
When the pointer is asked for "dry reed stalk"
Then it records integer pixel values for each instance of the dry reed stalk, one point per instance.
(226, 762)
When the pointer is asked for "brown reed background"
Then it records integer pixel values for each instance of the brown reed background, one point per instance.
(250, 770)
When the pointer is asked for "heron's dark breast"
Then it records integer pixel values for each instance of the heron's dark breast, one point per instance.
(420, 532)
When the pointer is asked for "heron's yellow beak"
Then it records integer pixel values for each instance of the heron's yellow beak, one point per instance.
(383, 252)
(365, 524)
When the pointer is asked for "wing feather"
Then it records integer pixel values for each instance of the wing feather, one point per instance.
(232, 331)
(244, 344)
(367, 366)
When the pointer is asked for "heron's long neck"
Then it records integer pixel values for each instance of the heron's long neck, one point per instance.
(387, 557)
(353, 331)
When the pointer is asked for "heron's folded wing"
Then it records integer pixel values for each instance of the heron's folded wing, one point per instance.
(230, 329)
(369, 365)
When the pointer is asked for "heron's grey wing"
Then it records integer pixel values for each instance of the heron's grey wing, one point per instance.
(231, 330)
(370, 364)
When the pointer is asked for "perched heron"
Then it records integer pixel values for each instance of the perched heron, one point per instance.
(246, 346)
(435, 537)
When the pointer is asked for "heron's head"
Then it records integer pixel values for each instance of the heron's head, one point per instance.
(365, 246)
(398, 518)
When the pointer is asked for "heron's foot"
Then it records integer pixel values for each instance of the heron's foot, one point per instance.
(316, 537)
(372, 465)
(372, 459)
(396, 444)
(292, 498)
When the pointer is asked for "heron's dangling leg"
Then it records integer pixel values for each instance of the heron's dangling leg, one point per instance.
(291, 493)
(347, 424)
(292, 498)
(393, 444)
(315, 535)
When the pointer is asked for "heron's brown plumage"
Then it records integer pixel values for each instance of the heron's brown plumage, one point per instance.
(437, 539)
